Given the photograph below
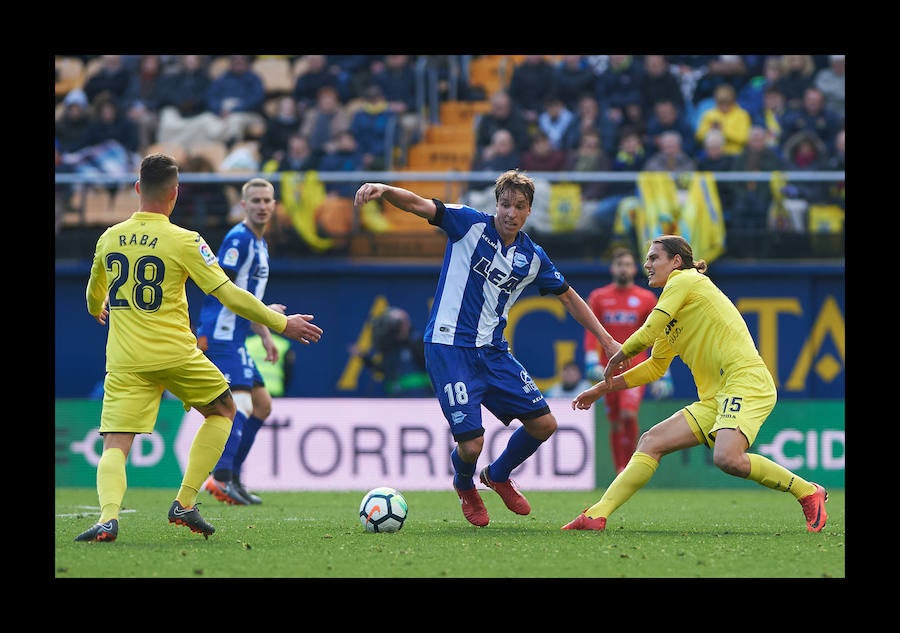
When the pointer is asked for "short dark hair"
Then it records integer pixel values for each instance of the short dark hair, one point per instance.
(158, 172)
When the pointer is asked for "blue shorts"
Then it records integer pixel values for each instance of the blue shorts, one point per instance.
(237, 365)
(464, 378)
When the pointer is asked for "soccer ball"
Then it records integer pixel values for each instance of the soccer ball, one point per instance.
(383, 509)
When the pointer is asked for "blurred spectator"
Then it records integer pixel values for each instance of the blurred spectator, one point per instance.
(812, 117)
(671, 156)
(750, 200)
(109, 124)
(542, 156)
(831, 82)
(113, 77)
(797, 75)
(202, 204)
(371, 124)
(503, 115)
(237, 96)
(836, 163)
(325, 121)
(751, 96)
(299, 155)
(587, 119)
(182, 95)
(316, 75)
(571, 384)
(630, 157)
(73, 123)
(772, 116)
(572, 79)
(689, 69)
(719, 70)
(141, 103)
(396, 77)
(497, 157)
(803, 151)
(353, 73)
(279, 128)
(618, 86)
(344, 156)
(528, 86)
(658, 83)
(184, 118)
(397, 355)
(589, 157)
(666, 117)
(554, 120)
(713, 158)
(728, 117)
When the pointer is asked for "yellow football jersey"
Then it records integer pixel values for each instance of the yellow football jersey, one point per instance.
(696, 321)
(142, 264)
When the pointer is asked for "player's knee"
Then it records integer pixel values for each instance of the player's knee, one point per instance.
(262, 404)
(541, 428)
(729, 463)
(469, 450)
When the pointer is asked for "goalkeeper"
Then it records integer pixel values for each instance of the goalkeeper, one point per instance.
(622, 307)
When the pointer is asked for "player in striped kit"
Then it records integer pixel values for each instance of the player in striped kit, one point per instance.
(488, 262)
(222, 335)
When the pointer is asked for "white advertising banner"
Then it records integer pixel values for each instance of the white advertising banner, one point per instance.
(357, 444)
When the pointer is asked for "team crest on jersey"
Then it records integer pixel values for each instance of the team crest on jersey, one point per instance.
(231, 257)
(207, 253)
(519, 259)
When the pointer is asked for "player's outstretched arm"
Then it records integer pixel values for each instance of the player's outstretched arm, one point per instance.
(397, 196)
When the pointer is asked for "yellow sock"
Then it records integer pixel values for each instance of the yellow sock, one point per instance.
(767, 473)
(637, 472)
(206, 449)
(111, 483)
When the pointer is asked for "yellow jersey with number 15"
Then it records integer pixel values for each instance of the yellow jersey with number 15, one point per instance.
(695, 320)
(142, 264)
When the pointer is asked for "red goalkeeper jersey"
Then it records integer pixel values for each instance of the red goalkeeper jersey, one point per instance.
(621, 311)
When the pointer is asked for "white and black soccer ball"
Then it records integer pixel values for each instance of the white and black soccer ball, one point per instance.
(383, 509)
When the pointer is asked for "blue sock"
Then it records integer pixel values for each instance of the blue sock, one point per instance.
(520, 447)
(251, 427)
(464, 479)
(223, 470)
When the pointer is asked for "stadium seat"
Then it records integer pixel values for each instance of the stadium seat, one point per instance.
(276, 74)
(441, 156)
(69, 75)
(215, 151)
(175, 150)
(489, 73)
(462, 112)
(445, 133)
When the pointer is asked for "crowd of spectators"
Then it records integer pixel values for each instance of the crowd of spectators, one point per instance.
(570, 112)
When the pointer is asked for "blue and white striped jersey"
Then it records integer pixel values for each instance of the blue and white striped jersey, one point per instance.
(246, 259)
(481, 279)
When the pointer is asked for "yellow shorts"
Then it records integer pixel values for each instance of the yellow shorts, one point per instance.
(131, 399)
(743, 402)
